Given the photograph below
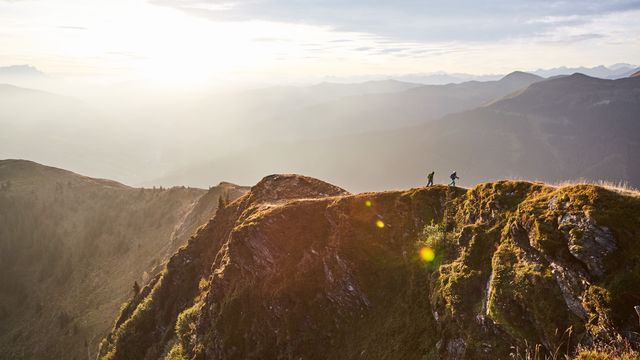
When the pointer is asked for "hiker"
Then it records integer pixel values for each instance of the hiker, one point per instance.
(453, 177)
(430, 178)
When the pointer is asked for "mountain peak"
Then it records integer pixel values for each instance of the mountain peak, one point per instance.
(20, 70)
(279, 187)
(521, 76)
(223, 184)
(581, 78)
(579, 75)
(31, 173)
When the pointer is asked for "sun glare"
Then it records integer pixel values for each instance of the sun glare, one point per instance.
(176, 48)
(139, 40)
(427, 254)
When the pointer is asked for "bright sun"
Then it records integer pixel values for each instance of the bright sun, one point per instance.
(178, 48)
(157, 43)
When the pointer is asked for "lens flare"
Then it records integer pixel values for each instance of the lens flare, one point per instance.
(368, 203)
(427, 254)
(380, 224)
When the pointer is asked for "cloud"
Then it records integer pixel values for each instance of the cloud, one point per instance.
(392, 50)
(576, 38)
(67, 27)
(414, 20)
(125, 54)
(269, 40)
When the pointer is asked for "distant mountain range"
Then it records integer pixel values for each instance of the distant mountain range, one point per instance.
(615, 71)
(14, 73)
(328, 110)
(553, 130)
(418, 105)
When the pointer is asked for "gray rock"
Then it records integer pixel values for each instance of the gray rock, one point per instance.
(456, 348)
(587, 241)
(572, 286)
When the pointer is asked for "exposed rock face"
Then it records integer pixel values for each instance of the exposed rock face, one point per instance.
(298, 268)
(587, 241)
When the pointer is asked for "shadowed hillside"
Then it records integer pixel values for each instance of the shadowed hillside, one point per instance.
(71, 248)
(298, 268)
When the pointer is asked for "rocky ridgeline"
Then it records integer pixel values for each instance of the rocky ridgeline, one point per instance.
(298, 268)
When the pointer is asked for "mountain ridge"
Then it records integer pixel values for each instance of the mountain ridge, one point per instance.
(345, 279)
(28, 168)
(72, 246)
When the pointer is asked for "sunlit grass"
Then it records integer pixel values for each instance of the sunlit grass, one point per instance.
(621, 187)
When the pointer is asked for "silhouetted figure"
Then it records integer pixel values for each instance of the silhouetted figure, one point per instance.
(453, 177)
(430, 178)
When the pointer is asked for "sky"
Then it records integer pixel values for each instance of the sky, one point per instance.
(197, 41)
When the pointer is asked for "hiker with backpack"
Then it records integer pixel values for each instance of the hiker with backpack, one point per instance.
(453, 177)
(430, 178)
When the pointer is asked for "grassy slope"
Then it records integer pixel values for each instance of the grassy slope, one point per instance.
(71, 248)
